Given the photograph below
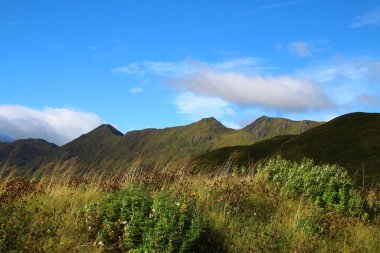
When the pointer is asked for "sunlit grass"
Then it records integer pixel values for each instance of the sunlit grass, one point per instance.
(243, 212)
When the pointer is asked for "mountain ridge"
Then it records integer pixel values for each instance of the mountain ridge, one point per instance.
(153, 145)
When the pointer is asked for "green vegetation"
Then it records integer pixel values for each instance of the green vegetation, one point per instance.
(136, 221)
(328, 187)
(283, 207)
(351, 141)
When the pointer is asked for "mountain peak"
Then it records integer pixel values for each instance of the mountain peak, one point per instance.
(211, 121)
(106, 128)
(266, 127)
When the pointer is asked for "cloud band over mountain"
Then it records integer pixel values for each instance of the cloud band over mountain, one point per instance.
(57, 125)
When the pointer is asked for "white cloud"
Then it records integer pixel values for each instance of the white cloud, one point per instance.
(279, 92)
(57, 125)
(300, 48)
(135, 90)
(198, 107)
(370, 18)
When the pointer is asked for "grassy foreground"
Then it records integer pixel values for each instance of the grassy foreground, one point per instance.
(281, 207)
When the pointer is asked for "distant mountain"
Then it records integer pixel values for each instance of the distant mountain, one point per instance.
(106, 146)
(21, 152)
(265, 128)
(5, 138)
(351, 140)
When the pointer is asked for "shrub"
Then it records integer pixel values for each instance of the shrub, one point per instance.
(328, 186)
(134, 220)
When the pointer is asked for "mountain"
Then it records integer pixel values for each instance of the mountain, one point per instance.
(351, 140)
(21, 152)
(5, 138)
(107, 148)
(265, 128)
(90, 149)
(106, 145)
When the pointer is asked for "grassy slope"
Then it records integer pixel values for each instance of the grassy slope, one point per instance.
(240, 155)
(352, 141)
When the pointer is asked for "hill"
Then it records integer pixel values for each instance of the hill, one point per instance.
(21, 152)
(351, 140)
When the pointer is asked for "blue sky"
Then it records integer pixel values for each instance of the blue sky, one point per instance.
(67, 66)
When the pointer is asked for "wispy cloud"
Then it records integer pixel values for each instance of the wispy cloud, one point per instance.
(57, 125)
(300, 48)
(370, 18)
(159, 68)
(343, 69)
(281, 4)
(181, 68)
(369, 100)
(135, 90)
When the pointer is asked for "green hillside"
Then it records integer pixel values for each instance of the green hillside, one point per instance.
(352, 141)
(247, 156)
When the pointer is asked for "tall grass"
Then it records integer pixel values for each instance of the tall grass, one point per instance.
(233, 210)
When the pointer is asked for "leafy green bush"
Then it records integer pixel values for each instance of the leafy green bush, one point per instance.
(328, 186)
(136, 221)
